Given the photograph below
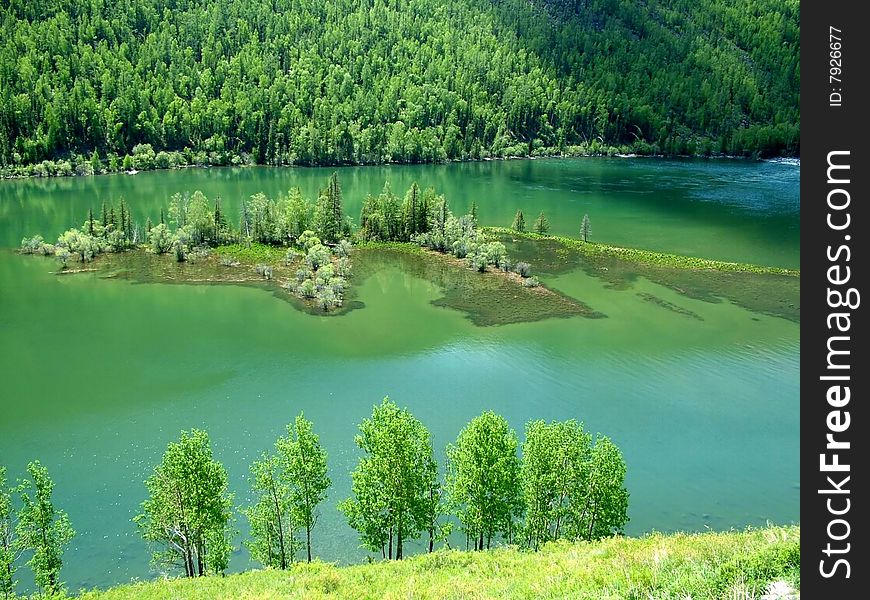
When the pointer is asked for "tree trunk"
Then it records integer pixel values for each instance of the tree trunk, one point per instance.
(280, 525)
(399, 541)
(390, 553)
(188, 560)
(308, 541)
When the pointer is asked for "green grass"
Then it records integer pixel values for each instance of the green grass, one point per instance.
(647, 257)
(376, 245)
(708, 565)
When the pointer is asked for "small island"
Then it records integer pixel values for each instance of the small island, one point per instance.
(307, 250)
(308, 253)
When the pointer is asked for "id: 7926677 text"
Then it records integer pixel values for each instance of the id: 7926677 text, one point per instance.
(835, 71)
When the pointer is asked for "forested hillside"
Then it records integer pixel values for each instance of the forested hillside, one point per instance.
(364, 81)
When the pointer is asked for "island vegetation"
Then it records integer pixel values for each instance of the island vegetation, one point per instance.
(90, 87)
(304, 245)
(562, 486)
(306, 249)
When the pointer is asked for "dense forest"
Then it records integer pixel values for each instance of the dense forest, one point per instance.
(104, 84)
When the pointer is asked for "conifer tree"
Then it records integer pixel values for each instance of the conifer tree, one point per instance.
(519, 224)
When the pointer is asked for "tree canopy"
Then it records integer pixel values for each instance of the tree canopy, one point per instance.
(393, 482)
(138, 84)
(188, 511)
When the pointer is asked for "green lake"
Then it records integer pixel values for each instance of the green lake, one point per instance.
(701, 396)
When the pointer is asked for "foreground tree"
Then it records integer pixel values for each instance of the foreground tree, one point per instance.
(555, 475)
(393, 484)
(604, 511)
(303, 472)
(188, 512)
(272, 521)
(9, 549)
(483, 479)
(42, 529)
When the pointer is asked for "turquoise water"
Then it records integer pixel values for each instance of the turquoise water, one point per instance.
(100, 374)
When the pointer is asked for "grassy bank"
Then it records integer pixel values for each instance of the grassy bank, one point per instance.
(708, 565)
(646, 257)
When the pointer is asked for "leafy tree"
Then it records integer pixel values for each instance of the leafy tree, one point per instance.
(519, 223)
(42, 528)
(272, 519)
(160, 239)
(62, 255)
(303, 471)
(483, 479)
(542, 225)
(604, 511)
(585, 228)
(96, 165)
(79, 244)
(393, 482)
(555, 475)
(9, 547)
(317, 256)
(308, 240)
(187, 514)
(200, 218)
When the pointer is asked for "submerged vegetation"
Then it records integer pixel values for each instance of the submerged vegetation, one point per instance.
(312, 251)
(771, 291)
(303, 247)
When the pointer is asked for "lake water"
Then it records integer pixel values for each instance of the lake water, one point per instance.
(98, 375)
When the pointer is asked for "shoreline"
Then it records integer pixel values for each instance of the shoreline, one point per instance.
(620, 153)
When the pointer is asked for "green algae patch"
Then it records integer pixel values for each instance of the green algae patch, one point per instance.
(490, 298)
(653, 299)
(225, 265)
(770, 291)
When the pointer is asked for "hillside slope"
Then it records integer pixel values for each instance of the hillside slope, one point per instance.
(362, 81)
(710, 565)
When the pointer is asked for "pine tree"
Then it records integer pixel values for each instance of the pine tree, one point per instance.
(410, 212)
(542, 225)
(585, 228)
(519, 224)
(329, 215)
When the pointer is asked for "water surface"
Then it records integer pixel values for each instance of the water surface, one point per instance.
(98, 375)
